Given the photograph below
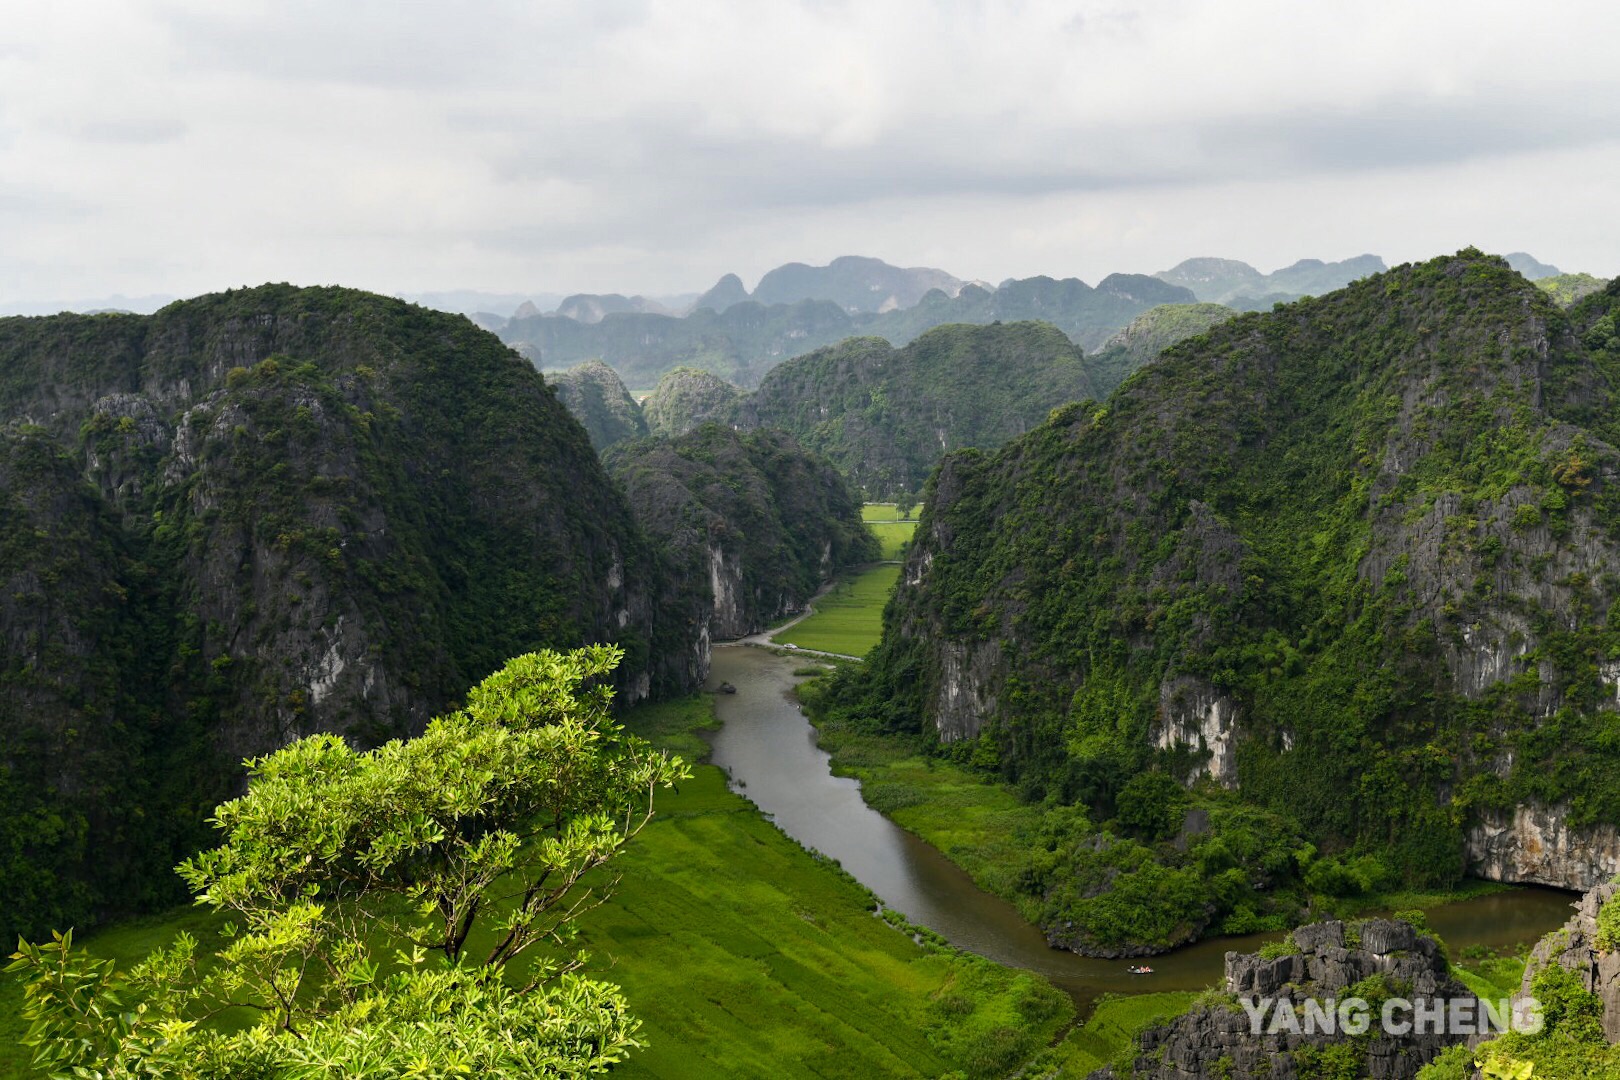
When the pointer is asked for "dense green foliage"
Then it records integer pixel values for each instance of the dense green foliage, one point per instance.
(306, 510)
(1566, 289)
(593, 393)
(1148, 335)
(1367, 532)
(388, 905)
(747, 524)
(687, 398)
(1570, 1046)
(746, 340)
(884, 416)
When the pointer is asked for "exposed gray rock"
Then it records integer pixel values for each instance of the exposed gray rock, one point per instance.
(1220, 1040)
(1536, 844)
(1574, 946)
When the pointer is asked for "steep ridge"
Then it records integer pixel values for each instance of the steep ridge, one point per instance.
(596, 397)
(740, 343)
(748, 526)
(1347, 568)
(300, 510)
(884, 416)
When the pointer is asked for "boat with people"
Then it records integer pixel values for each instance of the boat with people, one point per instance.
(1140, 969)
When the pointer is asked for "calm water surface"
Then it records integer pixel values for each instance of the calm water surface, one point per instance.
(769, 748)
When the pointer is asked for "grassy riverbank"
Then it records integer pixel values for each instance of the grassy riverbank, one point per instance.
(746, 955)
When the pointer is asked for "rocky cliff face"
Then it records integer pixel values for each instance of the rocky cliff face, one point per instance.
(1575, 948)
(297, 511)
(1538, 845)
(1352, 560)
(1377, 958)
(749, 526)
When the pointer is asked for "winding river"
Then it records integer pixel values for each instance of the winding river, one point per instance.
(769, 749)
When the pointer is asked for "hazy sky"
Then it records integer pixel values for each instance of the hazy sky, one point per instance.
(180, 146)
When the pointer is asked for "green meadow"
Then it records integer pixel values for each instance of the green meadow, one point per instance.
(892, 532)
(849, 616)
(746, 955)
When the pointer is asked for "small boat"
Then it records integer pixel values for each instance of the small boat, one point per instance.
(1140, 969)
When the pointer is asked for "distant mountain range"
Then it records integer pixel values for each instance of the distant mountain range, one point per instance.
(1239, 285)
(853, 282)
(749, 338)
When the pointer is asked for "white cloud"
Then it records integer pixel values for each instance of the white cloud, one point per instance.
(183, 145)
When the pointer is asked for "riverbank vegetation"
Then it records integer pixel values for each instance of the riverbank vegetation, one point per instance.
(949, 798)
(743, 954)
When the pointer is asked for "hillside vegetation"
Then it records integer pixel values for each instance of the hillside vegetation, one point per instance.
(1345, 569)
(687, 398)
(884, 416)
(1566, 289)
(1148, 335)
(596, 397)
(257, 515)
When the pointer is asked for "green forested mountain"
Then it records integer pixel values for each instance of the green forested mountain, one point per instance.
(687, 398)
(1347, 569)
(1566, 289)
(884, 416)
(593, 392)
(748, 526)
(1148, 335)
(256, 515)
(747, 339)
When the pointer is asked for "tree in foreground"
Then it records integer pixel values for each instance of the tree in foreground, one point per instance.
(406, 911)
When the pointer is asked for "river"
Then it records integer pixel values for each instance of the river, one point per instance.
(768, 747)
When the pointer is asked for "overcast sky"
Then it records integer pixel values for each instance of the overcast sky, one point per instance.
(181, 146)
